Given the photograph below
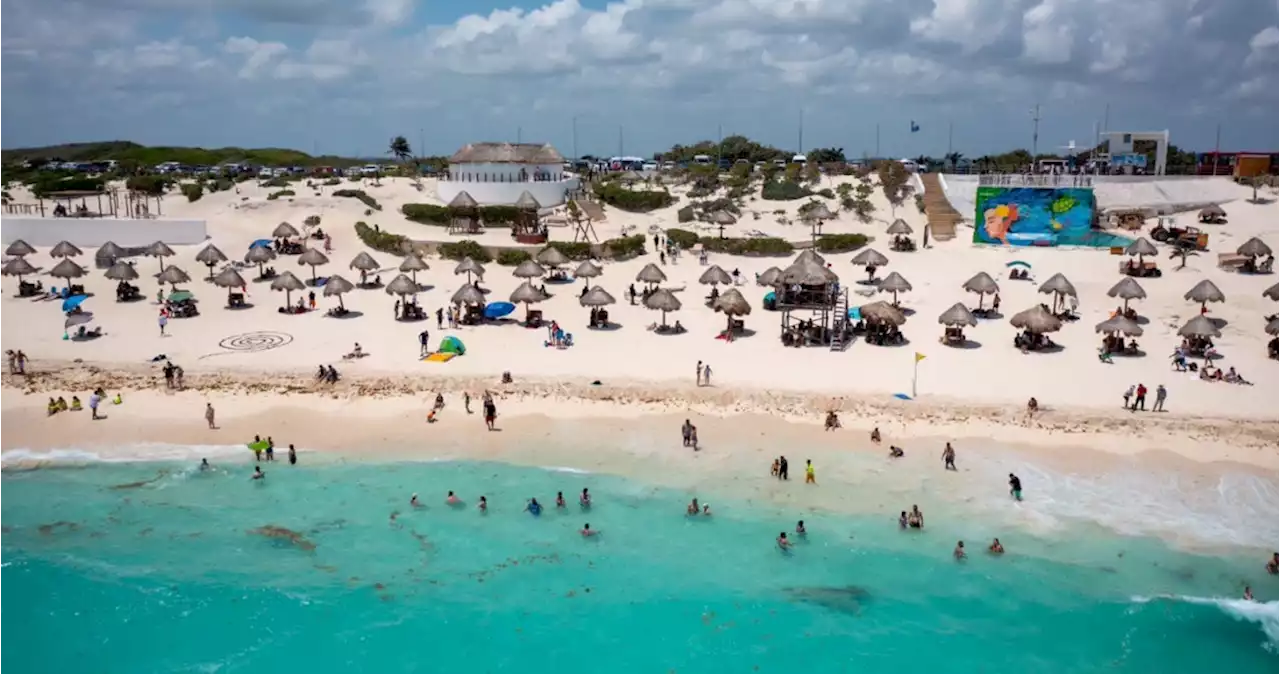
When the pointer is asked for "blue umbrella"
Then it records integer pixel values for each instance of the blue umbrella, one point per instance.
(260, 243)
(72, 302)
(499, 309)
(1019, 263)
(855, 313)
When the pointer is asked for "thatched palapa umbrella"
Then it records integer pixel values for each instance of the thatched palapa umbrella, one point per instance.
(883, 312)
(413, 263)
(527, 294)
(732, 304)
(314, 258)
(1199, 326)
(469, 266)
(1272, 293)
(596, 297)
(1141, 248)
(469, 295)
(588, 270)
(810, 255)
(110, 251)
(958, 316)
(870, 258)
(528, 269)
(1037, 320)
(230, 279)
(1127, 289)
(551, 257)
(160, 251)
(894, 283)
(65, 249)
(1060, 288)
(899, 228)
(287, 282)
(982, 284)
(19, 267)
(662, 300)
(66, 269)
(210, 257)
(1119, 325)
(714, 275)
(364, 263)
(1273, 328)
(769, 277)
(121, 271)
(285, 230)
(1254, 247)
(260, 255)
(403, 286)
(1212, 213)
(19, 248)
(651, 274)
(173, 275)
(335, 286)
(1205, 292)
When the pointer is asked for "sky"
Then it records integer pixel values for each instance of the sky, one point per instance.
(637, 76)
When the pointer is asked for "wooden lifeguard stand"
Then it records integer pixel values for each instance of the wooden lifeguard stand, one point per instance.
(527, 227)
(464, 215)
(582, 221)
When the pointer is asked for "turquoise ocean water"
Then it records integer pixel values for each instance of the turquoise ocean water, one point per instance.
(156, 567)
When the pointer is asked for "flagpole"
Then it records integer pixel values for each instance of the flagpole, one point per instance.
(915, 374)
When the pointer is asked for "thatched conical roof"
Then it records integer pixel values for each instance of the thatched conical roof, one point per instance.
(1254, 247)
(312, 257)
(1127, 289)
(732, 303)
(662, 300)
(173, 274)
(596, 297)
(1119, 325)
(714, 275)
(810, 255)
(364, 262)
(1273, 327)
(468, 294)
(1272, 293)
(723, 218)
(894, 283)
(19, 248)
(468, 266)
(807, 274)
(769, 277)
(957, 316)
(527, 293)
(463, 200)
(210, 255)
(287, 281)
(1058, 284)
(1036, 320)
(1199, 326)
(413, 262)
(883, 312)
(159, 249)
(820, 212)
(66, 269)
(402, 285)
(588, 269)
(1205, 291)
(1141, 246)
(336, 285)
(228, 278)
(121, 271)
(651, 274)
(65, 249)
(870, 258)
(528, 269)
(982, 283)
(551, 257)
(899, 227)
(526, 202)
(284, 230)
(19, 266)
(259, 255)
(110, 251)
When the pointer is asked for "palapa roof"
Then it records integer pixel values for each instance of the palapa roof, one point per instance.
(723, 218)
(1127, 289)
(121, 271)
(259, 255)
(1036, 320)
(1141, 246)
(228, 278)
(313, 257)
(402, 285)
(870, 258)
(982, 283)
(336, 285)
(732, 303)
(808, 273)
(715, 275)
(1121, 325)
(65, 249)
(413, 262)
(110, 251)
(551, 257)
(19, 248)
(1254, 247)
(883, 312)
(527, 293)
(588, 269)
(769, 277)
(528, 269)
(662, 300)
(468, 294)
(287, 281)
(810, 255)
(1199, 326)
(506, 153)
(1212, 211)
(651, 274)
(894, 283)
(1058, 284)
(159, 249)
(1205, 291)
(1273, 292)
(899, 226)
(1272, 327)
(527, 202)
(596, 297)
(210, 255)
(463, 200)
(957, 316)
(172, 274)
(19, 266)
(364, 262)
(468, 266)
(67, 269)
(284, 230)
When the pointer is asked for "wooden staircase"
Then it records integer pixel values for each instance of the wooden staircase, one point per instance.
(839, 324)
(941, 216)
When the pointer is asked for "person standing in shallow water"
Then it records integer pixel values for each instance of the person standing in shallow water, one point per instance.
(782, 468)
(293, 456)
(949, 457)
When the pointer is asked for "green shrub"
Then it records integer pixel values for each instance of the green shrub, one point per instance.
(840, 243)
(220, 185)
(278, 181)
(467, 248)
(635, 201)
(427, 214)
(700, 192)
(752, 247)
(920, 202)
(625, 247)
(281, 193)
(48, 182)
(312, 221)
(784, 190)
(359, 194)
(333, 181)
(826, 193)
(683, 238)
(685, 214)
(193, 191)
(498, 215)
(511, 257)
(379, 240)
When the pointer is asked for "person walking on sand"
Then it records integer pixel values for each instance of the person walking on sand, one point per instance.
(1128, 394)
(162, 321)
(699, 373)
(810, 477)
(466, 401)
(424, 339)
(1140, 400)
(311, 299)
(208, 415)
(440, 319)
(949, 457)
(706, 374)
(782, 468)
(1161, 394)
(490, 412)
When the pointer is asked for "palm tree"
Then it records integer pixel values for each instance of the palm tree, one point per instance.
(399, 148)
(1182, 253)
(953, 158)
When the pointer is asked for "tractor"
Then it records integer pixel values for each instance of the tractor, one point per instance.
(1182, 237)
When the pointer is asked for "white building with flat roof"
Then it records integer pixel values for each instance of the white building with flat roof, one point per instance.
(498, 173)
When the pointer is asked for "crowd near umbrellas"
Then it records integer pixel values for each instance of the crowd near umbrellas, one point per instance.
(870, 258)
(19, 267)
(883, 312)
(1037, 320)
(210, 257)
(469, 266)
(110, 251)
(160, 251)
(402, 285)
(899, 228)
(894, 283)
(468, 295)
(19, 248)
(958, 316)
(285, 230)
(1199, 326)
(714, 275)
(662, 300)
(1205, 292)
(551, 257)
(65, 249)
(588, 270)
(336, 286)
(1060, 288)
(983, 285)
(1119, 325)
(287, 282)
(121, 271)
(525, 293)
(652, 275)
(769, 277)
(260, 255)
(1127, 289)
(528, 269)
(1272, 293)
(413, 263)
(1254, 247)
(230, 279)
(314, 258)
(173, 275)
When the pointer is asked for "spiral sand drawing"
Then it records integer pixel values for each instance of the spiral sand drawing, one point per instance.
(252, 342)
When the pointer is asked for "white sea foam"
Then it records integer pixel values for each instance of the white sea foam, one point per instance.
(564, 469)
(126, 454)
(1265, 614)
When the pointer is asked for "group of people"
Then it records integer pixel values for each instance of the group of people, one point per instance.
(267, 449)
(1135, 398)
(60, 403)
(17, 361)
(487, 403)
(703, 373)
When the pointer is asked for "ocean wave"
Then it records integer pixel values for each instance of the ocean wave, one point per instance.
(565, 469)
(128, 454)
(1265, 614)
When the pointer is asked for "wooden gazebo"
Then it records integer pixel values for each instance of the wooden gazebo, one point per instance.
(464, 215)
(527, 228)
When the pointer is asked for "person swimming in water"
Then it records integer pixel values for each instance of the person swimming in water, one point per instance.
(800, 530)
(257, 473)
(995, 548)
(560, 499)
(706, 509)
(483, 506)
(1248, 594)
(692, 508)
(452, 500)
(534, 508)
(902, 520)
(915, 519)
(587, 531)
(1273, 565)
(958, 553)
(413, 500)
(783, 543)
(204, 464)
(585, 499)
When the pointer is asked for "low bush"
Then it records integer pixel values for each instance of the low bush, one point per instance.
(498, 215)
(700, 192)
(784, 190)
(278, 181)
(381, 241)
(467, 248)
(685, 214)
(579, 250)
(763, 246)
(511, 257)
(840, 243)
(53, 183)
(280, 193)
(333, 181)
(920, 202)
(635, 201)
(427, 214)
(193, 191)
(626, 247)
(683, 238)
(826, 193)
(149, 184)
(312, 221)
(359, 194)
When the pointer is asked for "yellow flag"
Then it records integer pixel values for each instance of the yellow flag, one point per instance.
(919, 356)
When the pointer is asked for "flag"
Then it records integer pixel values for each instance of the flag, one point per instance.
(914, 127)
(919, 356)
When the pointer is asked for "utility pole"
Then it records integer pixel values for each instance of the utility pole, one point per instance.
(1035, 134)
(575, 138)
(421, 144)
(877, 141)
(950, 128)
(1217, 145)
(619, 140)
(519, 134)
(719, 143)
(800, 139)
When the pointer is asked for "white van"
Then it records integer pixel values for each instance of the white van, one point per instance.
(799, 159)
(702, 159)
(909, 165)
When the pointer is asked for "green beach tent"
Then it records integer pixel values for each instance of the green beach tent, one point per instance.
(452, 345)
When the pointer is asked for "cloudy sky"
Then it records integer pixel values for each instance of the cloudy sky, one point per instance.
(343, 76)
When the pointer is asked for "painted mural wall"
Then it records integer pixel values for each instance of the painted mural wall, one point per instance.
(1034, 216)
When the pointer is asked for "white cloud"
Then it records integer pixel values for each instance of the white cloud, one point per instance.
(257, 55)
(1262, 46)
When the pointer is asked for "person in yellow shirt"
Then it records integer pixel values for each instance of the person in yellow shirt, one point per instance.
(809, 476)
